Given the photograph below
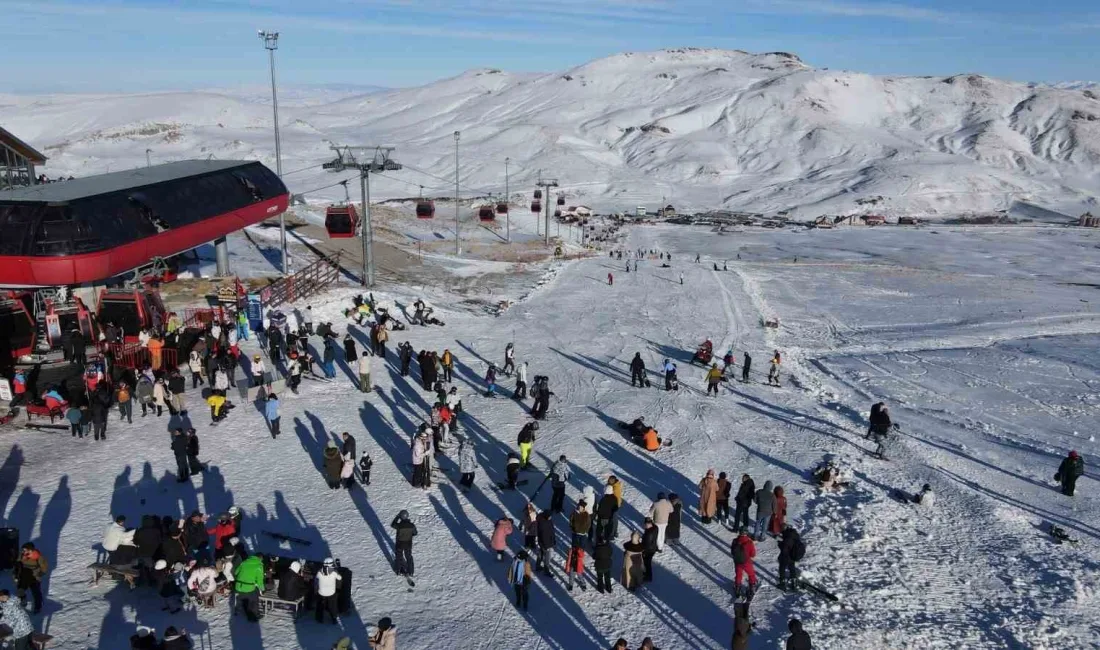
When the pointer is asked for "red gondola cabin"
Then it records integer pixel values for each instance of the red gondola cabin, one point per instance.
(131, 310)
(485, 213)
(425, 209)
(341, 221)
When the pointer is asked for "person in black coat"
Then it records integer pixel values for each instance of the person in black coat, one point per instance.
(292, 585)
(546, 539)
(179, 450)
(672, 530)
(77, 345)
(601, 558)
(787, 562)
(100, 409)
(405, 351)
(649, 544)
(1071, 469)
(348, 449)
(637, 370)
(147, 540)
(172, 547)
(605, 515)
(799, 639)
(743, 502)
(350, 355)
(196, 537)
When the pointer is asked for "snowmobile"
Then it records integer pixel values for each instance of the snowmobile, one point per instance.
(704, 353)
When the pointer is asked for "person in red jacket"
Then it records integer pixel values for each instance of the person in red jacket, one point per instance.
(743, 550)
(779, 516)
(225, 529)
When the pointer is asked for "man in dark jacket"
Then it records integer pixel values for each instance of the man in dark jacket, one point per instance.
(172, 547)
(147, 539)
(1072, 468)
(649, 544)
(798, 640)
(601, 559)
(605, 515)
(292, 585)
(176, 386)
(724, 487)
(546, 539)
(745, 368)
(791, 549)
(196, 537)
(637, 371)
(403, 542)
(405, 351)
(743, 501)
(348, 449)
(100, 408)
(179, 450)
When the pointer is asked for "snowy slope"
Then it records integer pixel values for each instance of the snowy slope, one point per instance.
(699, 128)
(981, 341)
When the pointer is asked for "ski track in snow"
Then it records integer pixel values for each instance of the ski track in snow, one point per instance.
(988, 405)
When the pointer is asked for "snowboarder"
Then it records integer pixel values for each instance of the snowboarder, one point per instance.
(708, 497)
(633, 564)
(659, 513)
(350, 354)
(526, 440)
(637, 371)
(509, 359)
(791, 550)
(765, 507)
(327, 585)
(271, 412)
(519, 576)
(547, 540)
(649, 545)
(743, 551)
(333, 464)
(559, 477)
(499, 541)
(799, 639)
(179, 450)
(467, 462)
(364, 373)
(405, 530)
(1071, 469)
(745, 368)
(672, 533)
(746, 492)
(521, 382)
(724, 487)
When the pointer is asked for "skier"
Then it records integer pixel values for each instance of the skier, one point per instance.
(546, 539)
(521, 382)
(509, 359)
(333, 464)
(765, 507)
(791, 550)
(799, 639)
(467, 462)
(519, 576)
(1071, 469)
(365, 464)
(179, 450)
(714, 377)
(745, 368)
(327, 584)
(364, 373)
(193, 462)
(670, 376)
(743, 501)
(491, 381)
(637, 371)
(708, 497)
(248, 584)
(649, 546)
(724, 487)
(405, 530)
(633, 565)
(773, 370)
(559, 477)
(271, 412)
(526, 440)
(499, 541)
(743, 551)
(660, 512)
(350, 354)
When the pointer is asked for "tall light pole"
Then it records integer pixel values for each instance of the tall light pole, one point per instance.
(457, 249)
(271, 43)
(507, 200)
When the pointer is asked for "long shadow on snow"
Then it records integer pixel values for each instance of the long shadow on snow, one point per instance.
(9, 475)
(788, 411)
(670, 352)
(796, 424)
(54, 517)
(987, 465)
(605, 369)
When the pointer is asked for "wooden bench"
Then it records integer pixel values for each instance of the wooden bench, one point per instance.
(40, 641)
(272, 604)
(124, 573)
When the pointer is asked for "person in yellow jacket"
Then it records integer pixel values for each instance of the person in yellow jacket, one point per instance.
(616, 488)
(217, 405)
(448, 363)
(714, 377)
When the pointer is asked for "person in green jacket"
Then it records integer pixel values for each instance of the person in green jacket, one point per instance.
(249, 584)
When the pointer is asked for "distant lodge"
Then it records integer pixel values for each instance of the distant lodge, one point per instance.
(1088, 221)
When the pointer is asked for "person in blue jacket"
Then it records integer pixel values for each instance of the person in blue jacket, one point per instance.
(271, 412)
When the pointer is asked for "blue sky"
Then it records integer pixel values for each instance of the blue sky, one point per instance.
(80, 46)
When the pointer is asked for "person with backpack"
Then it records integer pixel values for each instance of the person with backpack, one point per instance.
(791, 550)
(125, 403)
(743, 551)
(519, 576)
(1071, 469)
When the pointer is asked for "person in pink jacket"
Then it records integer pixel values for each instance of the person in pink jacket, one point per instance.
(501, 531)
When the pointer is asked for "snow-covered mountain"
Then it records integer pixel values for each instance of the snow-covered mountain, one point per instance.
(698, 128)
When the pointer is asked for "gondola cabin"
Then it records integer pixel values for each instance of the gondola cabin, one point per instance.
(17, 327)
(536, 207)
(502, 208)
(538, 194)
(557, 214)
(425, 209)
(341, 221)
(64, 317)
(561, 200)
(485, 213)
(131, 310)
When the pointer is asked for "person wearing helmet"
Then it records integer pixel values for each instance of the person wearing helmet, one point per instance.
(714, 377)
(328, 580)
(292, 585)
(1071, 469)
(405, 530)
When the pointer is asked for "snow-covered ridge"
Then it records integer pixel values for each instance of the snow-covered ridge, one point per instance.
(699, 128)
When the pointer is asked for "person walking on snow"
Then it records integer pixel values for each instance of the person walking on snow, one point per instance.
(745, 368)
(179, 450)
(447, 362)
(1071, 469)
(467, 462)
(194, 363)
(791, 550)
(559, 477)
(405, 353)
(681, 278)
(364, 373)
(327, 585)
(333, 464)
(660, 512)
(521, 382)
(404, 532)
(708, 497)
(633, 565)
(765, 508)
(547, 540)
(509, 359)
(610, 280)
(193, 462)
(519, 576)
(743, 501)
(637, 371)
(579, 523)
(602, 556)
(365, 463)
(669, 369)
(271, 412)
(350, 354)
(714, 377)
(724, 487)
(526, 441)
(649, 549)
(773, 371)
(743, 551)
(499, 541)
(779, 517)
